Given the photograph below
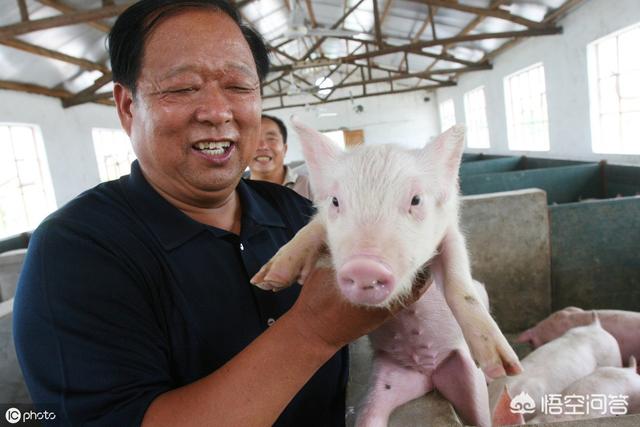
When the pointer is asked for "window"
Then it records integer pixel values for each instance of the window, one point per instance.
(526, 102)
(614, 85)
(113, 153)
(447, 115)
(475, 110)
(26, 191)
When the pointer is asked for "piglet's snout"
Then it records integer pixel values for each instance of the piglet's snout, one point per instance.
(364, 280)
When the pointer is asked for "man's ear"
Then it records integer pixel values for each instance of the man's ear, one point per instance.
(286, 147)
(124, 102)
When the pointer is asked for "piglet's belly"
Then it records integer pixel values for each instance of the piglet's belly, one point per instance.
(422, 335)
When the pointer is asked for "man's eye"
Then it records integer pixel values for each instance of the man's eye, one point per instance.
(182, 90)
(244, 89)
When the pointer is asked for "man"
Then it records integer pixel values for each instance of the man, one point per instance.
(134, 305)
(268, 162)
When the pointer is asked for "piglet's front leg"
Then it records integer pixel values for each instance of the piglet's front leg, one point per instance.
(295, 260)
(489, 347)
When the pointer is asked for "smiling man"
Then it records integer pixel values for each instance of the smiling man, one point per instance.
(268, 162)
(134, 305)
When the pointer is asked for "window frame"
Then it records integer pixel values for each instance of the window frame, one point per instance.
(596, 88)
(444, 114)
(478, 136)
(97, 136)
(31, 216)
(516, 131)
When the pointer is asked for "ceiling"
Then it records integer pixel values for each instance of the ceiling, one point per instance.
(321, 50)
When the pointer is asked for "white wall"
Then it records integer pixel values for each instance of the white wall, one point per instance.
(402, 119)
(565, 62)
(67, 137)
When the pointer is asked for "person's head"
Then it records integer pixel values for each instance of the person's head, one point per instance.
(268, 159)
(187, 80)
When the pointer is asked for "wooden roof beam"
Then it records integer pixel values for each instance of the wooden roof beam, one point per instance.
(333, 89)
(87, 95)
(385, 12)
(73, 18)
(32, 88)
(432, 14)
(558, 13)
(306, 64)
(391, 92)
(101, 98)
(312, 15)
(421, 75)
(24, 11)
(97, 98)
(443, 57)
(459, 39)
(470, 26)
(314, 21)
(482, 11)
(61, 7)
(333, 27)
(548, 20)
(404, 63)
(37, 50)
(377, 24)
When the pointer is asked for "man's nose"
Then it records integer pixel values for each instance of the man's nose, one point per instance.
(214, 107)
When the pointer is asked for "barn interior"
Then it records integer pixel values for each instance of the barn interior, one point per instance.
(549, 92)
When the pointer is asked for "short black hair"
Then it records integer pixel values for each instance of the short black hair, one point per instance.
(129, 33)
(281, 126)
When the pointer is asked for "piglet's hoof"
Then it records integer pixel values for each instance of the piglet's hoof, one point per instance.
(292, 263)
(493, 353)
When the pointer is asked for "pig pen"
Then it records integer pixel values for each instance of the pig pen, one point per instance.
(593, 225)
(12, 386)
(493, 164)
(574, 243)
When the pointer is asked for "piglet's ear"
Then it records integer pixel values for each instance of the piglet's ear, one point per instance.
(441, 160)
(320, 153)
(502, 414)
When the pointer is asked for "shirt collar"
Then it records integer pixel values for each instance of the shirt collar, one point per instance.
(290, 176)
(173, 227)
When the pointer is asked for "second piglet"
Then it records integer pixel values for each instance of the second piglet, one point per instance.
(607, 392)
(554, 366)
(388, 215)
(623, 325)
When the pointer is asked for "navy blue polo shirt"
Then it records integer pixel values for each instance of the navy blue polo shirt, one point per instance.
(123, 297)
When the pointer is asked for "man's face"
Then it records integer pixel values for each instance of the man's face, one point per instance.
(269, 157)
(195, 119)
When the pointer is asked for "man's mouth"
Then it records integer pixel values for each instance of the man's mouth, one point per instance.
(217, 148)
(263, 159)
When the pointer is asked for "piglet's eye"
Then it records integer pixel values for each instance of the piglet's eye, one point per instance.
(415, 201)
(334, 202)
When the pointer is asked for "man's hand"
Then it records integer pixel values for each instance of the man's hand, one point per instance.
(324, 315)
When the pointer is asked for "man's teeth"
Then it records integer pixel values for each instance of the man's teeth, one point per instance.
(213, 148)
(263, 158)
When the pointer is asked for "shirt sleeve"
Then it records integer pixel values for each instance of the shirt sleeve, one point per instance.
(88, 338)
